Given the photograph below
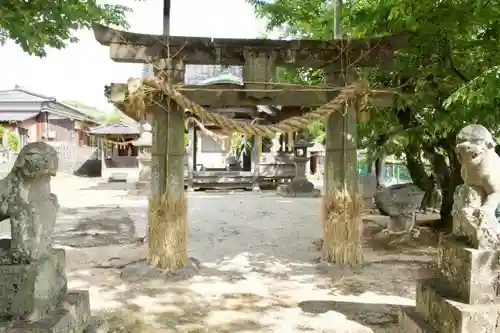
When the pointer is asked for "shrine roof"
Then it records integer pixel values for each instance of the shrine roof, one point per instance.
(118, 128)
(212, 75)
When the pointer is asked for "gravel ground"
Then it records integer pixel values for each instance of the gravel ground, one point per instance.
(259, 272)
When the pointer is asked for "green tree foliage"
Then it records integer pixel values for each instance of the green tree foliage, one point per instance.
(114, 117)
(90, 111)
(13, 141)
(37, 24)
(447, 76)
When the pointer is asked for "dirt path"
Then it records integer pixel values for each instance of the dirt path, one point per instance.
(259, 272)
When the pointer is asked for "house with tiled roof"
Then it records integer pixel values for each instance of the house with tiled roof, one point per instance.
(36, 117)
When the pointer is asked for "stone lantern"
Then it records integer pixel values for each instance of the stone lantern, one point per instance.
(300, 186)
(144, 144)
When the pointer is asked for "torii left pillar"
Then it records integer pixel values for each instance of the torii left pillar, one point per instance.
(167, 216)
(167, 233)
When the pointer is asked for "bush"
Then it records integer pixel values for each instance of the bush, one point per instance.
(13, 141)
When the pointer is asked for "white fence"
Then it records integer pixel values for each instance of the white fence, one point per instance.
(71, 157)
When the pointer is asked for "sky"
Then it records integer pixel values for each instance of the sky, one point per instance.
(81, 71)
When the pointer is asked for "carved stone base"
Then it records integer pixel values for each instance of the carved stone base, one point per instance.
(462, 298)
(404, 222)
(145, 174)
(413, 322)
(437, 303)
(142, 188)
(71, 316)
(473, 273)
(33, 290)
(256, 188)
(298, 187)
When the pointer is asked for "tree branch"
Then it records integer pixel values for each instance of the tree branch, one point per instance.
(451, 64)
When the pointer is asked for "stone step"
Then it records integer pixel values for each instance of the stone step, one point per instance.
(73, 316)
(472, 272)
(412, 322)
(437, 303)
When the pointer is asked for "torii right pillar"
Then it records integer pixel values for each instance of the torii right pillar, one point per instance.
(342, 203)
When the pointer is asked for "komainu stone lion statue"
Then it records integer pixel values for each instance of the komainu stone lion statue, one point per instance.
(476, 201)
(26, 200)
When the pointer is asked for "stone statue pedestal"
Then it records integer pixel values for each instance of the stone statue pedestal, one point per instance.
(144, 167)
(34, 297)
(400, 202)
(463, 298)
(300, 186)
(143, 183)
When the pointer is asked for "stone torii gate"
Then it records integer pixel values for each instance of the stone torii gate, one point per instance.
(259, 58)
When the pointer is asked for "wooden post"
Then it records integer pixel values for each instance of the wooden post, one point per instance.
(195, 149)
(191, 156)
(342, 205)
(255, 163)
(289, 142)
(259, 68)
(167, 218)
(103, 156)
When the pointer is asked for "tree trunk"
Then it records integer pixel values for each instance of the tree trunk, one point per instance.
(444, 180)
(381, 140)
(447, 171)
(416, 169)
(427, 201)
(448, 189)
(378, 172)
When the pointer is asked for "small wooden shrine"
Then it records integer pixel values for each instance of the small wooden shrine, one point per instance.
(116, 150)
(214, 159)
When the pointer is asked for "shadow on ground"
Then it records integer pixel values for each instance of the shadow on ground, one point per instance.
(94, 226)
(258, 274)
(110, 186)
(257, 292)
(378, 317)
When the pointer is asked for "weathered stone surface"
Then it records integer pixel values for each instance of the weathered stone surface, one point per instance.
(464, 297)
(473, 273)
(145, 169)
(476, 201)
(437, 304)
(400, 202)
(479, 227)
(32, 290)
(26, 200)
(33, 287)
(413, 322)
(72, 316)
(298, 188)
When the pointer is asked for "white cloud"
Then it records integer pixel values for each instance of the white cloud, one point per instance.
(81, 71)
